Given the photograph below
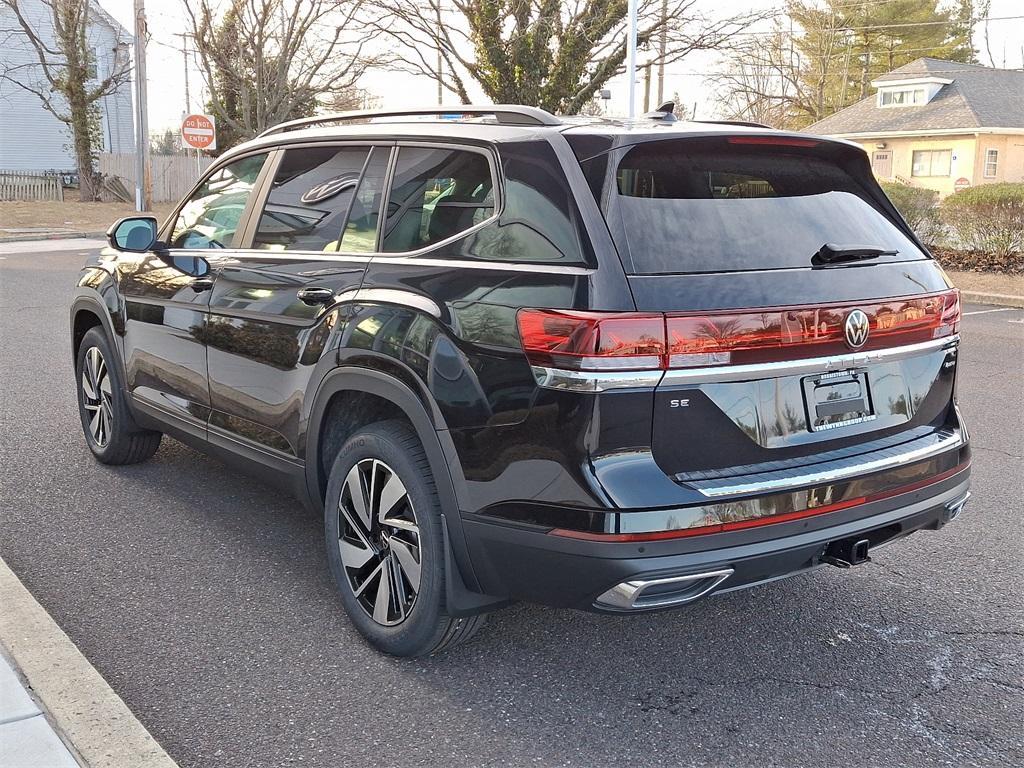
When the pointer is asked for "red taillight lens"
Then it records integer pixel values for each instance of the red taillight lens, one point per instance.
(778, 334)
(593, 341)
(774, 141)
(596, 341)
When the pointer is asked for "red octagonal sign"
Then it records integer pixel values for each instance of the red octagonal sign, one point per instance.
(199, 132)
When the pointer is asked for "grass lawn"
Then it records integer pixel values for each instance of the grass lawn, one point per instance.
(70, 215)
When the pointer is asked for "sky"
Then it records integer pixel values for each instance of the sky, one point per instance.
(166, 63)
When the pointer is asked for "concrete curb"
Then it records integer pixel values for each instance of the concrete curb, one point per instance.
(1003, 299)
(86, 712)
(50, 236)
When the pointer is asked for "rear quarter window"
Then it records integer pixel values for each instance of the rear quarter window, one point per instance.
(697, 205)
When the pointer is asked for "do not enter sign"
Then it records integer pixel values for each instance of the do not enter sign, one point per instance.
(199, 132)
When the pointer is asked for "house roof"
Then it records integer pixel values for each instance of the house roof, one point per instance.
(978, 97)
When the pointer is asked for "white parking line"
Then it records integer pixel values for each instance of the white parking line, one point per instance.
(986, 311)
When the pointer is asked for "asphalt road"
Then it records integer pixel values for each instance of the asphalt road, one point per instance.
(203, 598)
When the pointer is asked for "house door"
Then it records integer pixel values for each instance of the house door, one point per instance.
(881, 164)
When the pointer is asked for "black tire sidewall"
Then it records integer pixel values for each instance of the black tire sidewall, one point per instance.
(422, 629)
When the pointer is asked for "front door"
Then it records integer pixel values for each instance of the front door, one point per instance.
(278, 304)
(881, 164)
(167, 296)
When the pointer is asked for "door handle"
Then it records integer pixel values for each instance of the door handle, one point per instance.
(314, 296)
(201, 284)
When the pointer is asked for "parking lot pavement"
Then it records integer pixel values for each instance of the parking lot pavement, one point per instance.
(203, 598)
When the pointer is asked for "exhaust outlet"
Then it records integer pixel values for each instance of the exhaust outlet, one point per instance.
(646, 594)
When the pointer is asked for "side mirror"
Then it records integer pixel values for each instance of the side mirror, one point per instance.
(135, 234)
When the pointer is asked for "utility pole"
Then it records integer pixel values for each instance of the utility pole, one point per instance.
(143, 184)
(184, 55)
(631, 56)
(188, 99)
(647, 88)
(662, 48)
(440, 75)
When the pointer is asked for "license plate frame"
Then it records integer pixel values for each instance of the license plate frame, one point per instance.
(838, 399)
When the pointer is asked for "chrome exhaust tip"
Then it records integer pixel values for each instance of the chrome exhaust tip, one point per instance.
(955, 507)
(646, 594)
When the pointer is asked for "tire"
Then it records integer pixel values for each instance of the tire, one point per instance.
(110, 430)
(382, 520)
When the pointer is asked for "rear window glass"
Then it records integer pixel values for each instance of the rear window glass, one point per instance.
(708, 206)
(436, 194)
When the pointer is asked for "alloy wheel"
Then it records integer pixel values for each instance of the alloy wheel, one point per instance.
(379, 541)
(98, 396)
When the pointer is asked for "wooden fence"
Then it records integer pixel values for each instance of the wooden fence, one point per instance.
(172, 175)
(25, 185)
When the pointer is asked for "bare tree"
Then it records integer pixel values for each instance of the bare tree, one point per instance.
(546, 53)
(63, 73)
(266, 61)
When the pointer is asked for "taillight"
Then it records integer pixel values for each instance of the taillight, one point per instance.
(596, 341)
(774, 141)
(593, 341)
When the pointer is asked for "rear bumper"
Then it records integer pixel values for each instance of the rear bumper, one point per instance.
(528, 563)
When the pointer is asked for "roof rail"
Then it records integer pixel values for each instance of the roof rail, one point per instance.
(747, 123)
(506, 114)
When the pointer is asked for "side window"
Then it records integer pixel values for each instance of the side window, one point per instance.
(435, 194)
(361, 228)
(210, 217)
(310, 198)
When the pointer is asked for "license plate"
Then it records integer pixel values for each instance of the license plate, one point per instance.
(837, 399)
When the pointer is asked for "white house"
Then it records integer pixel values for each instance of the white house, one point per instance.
(31, 139)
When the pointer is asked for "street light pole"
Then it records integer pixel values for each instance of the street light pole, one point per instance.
(143, 201)
(631, 56)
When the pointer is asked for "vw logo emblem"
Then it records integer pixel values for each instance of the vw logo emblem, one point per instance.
(856, 329)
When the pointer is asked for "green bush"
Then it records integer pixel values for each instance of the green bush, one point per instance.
(988, 218)
(919, 206)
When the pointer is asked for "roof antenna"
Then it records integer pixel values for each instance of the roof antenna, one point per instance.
(665, 112)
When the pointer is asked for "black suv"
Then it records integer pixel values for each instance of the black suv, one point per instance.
(610, 365)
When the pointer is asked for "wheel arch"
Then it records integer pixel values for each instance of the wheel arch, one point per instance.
(463, 590)
(89, 312)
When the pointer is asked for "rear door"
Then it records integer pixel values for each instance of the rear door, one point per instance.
(277, 302)
(803, 319)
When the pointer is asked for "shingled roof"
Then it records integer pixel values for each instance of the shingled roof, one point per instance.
(978, 97)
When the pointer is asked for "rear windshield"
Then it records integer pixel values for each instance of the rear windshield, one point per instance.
(709, 206)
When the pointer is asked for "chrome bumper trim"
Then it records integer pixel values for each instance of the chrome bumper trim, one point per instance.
(601, 381)
(593, 381)
(781, 481)
(628, 595)
(680, 376)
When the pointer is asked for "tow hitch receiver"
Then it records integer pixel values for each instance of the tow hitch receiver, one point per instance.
(846, 553)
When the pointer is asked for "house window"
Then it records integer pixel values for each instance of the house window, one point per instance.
(991, 163)
(905, 98)
(931, 162)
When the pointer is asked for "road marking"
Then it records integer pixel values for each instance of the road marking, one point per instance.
(986, 311)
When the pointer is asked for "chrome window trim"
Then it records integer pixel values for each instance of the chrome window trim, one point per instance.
(593, 381)
(228, 256)
(684, 376)
(715, 489)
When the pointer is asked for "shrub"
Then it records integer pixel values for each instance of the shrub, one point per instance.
(988, 218)
(919, 206)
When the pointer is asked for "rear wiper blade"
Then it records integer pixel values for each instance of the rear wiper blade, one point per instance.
(830, 253)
